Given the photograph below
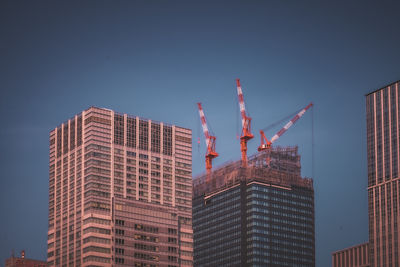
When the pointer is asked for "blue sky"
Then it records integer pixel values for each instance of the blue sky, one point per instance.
(156, 59)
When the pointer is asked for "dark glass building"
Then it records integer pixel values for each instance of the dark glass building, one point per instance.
(261, 215)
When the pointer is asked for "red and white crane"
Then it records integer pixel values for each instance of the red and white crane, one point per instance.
(246, 125)
(266, 144)
(210, 142)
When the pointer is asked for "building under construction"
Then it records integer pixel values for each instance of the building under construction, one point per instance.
(259, 215)
(257, 211)
(283, 170)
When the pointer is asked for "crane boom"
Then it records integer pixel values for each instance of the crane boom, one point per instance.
(241, 102)
(266, 144)
(204, 123)
(210, 142)
(246, 125)
(290, 123)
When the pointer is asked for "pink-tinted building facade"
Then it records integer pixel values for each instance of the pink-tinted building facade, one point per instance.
(120, 192)
(383, 120)
(356, 256)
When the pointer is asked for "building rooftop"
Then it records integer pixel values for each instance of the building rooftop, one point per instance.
(278, 166)
(390, 84)
(23, 262)
(120, 113)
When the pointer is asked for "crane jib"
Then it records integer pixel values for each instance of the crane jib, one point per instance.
(290, 123)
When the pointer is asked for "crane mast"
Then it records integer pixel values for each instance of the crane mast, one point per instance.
(246, 134)
(210, 142)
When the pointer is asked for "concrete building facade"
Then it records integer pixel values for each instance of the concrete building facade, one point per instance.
(259, 215)
(383, 115)
(120, 192)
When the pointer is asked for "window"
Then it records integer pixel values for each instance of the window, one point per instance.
(119, 241)
(131, 132)
(167, 140)
(172, 231)
(118, 129)
(171, 240)
(119, 232)
(143, 135)
(119, 260)
(119, 222)
(155, 138)
(120, 251)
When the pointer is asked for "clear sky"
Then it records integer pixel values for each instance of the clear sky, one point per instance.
(156, 59)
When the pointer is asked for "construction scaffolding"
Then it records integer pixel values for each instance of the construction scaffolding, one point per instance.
(277, 166)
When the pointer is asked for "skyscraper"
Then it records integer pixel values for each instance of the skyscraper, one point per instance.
(383, 114)
(120, 192)
(258, 215)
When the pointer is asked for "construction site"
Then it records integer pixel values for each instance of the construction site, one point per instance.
(284, 169)
(272, 164)
(256, 211)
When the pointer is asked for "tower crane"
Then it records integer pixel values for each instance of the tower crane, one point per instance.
(210, 142)
(246, 134)
(266, 144)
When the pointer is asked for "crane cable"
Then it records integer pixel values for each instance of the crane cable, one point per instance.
(312, 142)
(285, 119)
(198, 137)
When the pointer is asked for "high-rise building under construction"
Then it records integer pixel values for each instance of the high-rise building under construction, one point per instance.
(261, 214)
(120, 192)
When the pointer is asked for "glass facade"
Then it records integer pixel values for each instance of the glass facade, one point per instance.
(255, 224)
(280, 226)
(217, 227)
(382, 110)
